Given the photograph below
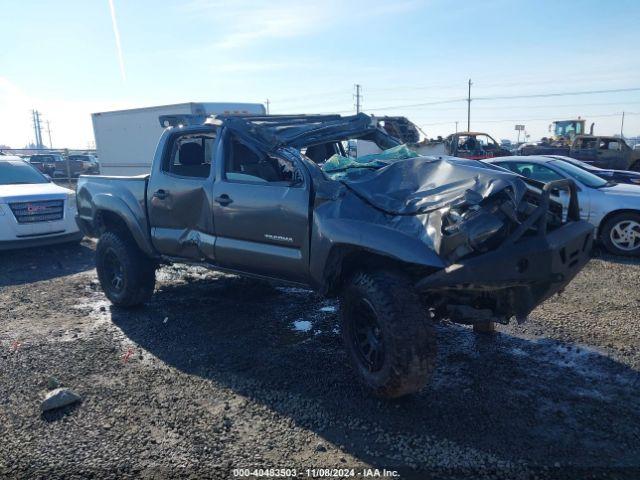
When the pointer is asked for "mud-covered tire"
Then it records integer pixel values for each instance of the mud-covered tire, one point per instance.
(126, 274)
(408, 353)
(613, 231)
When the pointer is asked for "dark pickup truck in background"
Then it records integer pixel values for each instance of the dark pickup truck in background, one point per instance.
(600, 151)
(401, 239)
(57, 165)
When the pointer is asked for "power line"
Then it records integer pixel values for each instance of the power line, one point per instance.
(302, 105)
(597, 104)
(507, 97)
(409, 87)
(425, 104)
(333, 93)
(512, 81)
(528, 119)
(560, 94)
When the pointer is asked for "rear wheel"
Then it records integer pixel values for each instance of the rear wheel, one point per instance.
(621, 234)
(636, 166)
(387, 335)
(126, 274)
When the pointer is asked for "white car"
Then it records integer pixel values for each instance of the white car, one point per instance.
(33, 210)
(614, 209)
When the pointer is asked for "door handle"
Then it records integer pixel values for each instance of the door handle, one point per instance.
(160, 194)
(223, 200)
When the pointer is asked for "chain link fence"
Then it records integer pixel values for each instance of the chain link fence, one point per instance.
(63, 165)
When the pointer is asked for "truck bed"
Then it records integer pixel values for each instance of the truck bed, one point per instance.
(129, 194)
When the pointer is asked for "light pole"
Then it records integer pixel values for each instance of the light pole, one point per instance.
(469, 108)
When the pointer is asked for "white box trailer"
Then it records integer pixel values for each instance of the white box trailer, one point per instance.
(126, 139)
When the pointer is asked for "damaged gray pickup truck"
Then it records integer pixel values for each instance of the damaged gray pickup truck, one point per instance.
(401, 239)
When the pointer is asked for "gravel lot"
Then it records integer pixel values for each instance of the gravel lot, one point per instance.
(219, 372)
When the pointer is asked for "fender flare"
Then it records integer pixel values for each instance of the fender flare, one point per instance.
(136, 223)
(338, 237)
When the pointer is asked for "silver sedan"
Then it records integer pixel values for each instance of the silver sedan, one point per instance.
(614, 209)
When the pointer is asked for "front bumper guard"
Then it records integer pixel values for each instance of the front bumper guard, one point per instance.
(520, 274)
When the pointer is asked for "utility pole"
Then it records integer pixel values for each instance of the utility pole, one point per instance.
(49, 132)
(622, 127)
(267, 102)
(469, 108)
(40, 141)
(358, 96)
(456, 126)
(36, 128)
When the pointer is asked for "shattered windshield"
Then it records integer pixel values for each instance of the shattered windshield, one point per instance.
(338, 166)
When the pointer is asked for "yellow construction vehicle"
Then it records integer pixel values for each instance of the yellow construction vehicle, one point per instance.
(564, 131)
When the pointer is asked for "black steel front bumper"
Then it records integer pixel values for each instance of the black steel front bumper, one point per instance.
(524, 271)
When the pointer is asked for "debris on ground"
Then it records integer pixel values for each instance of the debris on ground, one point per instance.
(58, 398)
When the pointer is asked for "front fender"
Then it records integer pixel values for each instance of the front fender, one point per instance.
(332, 234)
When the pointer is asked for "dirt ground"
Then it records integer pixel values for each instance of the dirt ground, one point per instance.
(218, 373)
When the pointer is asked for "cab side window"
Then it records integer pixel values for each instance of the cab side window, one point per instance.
(586, 143)
(244, 164)
(191, 155)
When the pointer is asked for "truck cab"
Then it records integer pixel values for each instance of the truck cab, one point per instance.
(474, 145)
(605, 152)
(212, 176)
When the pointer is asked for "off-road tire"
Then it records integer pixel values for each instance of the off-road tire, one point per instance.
(407, 334)
(605, 234)
(137, 270)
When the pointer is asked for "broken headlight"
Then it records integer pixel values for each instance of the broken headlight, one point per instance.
(476, 229)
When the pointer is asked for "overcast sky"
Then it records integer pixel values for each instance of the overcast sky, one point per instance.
(411, 57)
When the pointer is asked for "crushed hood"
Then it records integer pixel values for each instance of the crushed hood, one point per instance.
(453, 206)
(425, 184)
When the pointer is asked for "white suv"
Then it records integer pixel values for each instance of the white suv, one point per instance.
(33, 210)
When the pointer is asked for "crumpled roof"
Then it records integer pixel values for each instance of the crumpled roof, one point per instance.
(268, 132)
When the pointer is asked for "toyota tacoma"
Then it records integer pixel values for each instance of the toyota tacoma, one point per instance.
(401, 239)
